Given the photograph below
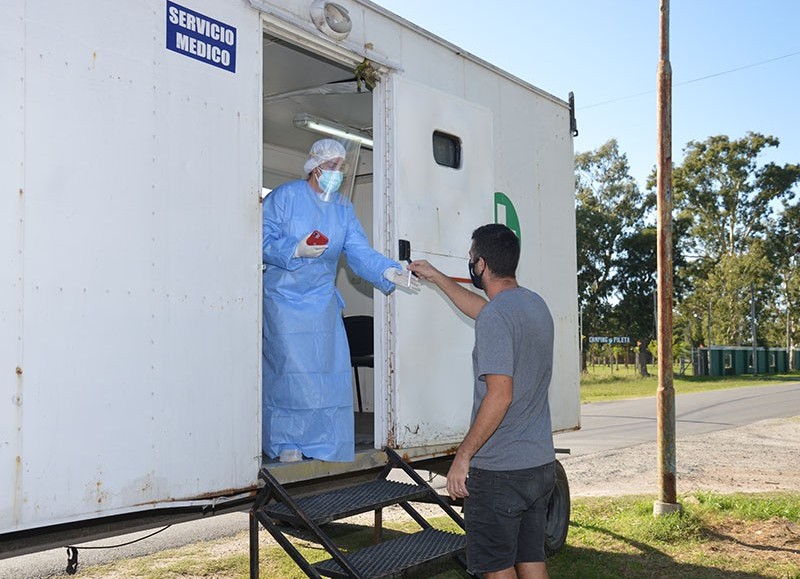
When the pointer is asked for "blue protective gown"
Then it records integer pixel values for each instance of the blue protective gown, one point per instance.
(307, 382)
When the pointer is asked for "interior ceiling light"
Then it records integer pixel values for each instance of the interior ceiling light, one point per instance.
(332, 19)
(317, 125)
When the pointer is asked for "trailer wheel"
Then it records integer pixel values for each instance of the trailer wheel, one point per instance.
(557, 514)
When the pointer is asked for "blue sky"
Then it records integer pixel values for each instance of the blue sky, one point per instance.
(608, 50)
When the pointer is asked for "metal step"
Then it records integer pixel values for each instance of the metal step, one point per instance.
(343, 503)
(398, 556)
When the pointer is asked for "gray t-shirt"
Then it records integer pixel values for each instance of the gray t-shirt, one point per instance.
(514, 337)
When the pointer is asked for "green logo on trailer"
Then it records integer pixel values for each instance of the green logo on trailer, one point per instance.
(505, 213)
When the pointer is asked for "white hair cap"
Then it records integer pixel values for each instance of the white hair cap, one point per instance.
(323, 151)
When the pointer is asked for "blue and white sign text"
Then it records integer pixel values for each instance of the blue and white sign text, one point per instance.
(200, 37)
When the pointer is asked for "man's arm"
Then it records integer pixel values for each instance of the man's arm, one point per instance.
(468, 302)
(490, 414)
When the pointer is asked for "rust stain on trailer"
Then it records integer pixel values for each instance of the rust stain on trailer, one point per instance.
(19, 496)
(222, 493)
(100, 493)
(447, 451)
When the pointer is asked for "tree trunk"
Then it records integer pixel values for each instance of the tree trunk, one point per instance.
(641, 360)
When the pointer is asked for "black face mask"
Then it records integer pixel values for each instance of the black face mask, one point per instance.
(477, 280)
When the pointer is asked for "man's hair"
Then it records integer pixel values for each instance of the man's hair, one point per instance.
(498, 246)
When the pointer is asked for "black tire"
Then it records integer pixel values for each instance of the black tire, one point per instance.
(557, 514)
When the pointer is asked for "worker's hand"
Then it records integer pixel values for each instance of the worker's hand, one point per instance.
(401, 278)
(303, 249)
(457, 478)
(424, 269)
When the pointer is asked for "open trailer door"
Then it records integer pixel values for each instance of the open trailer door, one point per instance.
(443, 177)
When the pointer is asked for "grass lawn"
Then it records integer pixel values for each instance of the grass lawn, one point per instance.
(601, 383)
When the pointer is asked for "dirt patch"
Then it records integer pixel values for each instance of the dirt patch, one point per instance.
(759, 457)
(774, 543)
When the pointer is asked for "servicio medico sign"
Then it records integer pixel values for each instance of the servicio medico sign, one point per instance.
(200, 37)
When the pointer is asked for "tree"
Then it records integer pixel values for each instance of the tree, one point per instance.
(609, 209)
(736, 223)
(728, 289)
(635, 283)
(724, 193)
(725, 203)
(784, 253)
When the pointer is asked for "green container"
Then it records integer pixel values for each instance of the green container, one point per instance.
(716, 362)
(762, 361)
(781, 361)
(740, 361)
(795, 359)
(748, 361)
(728, 361)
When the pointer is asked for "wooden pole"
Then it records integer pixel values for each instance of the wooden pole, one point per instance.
(667, 500)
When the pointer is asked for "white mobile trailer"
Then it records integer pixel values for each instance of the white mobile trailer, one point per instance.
(136, 140)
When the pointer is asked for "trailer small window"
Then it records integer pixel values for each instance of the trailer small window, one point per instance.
(447, 150)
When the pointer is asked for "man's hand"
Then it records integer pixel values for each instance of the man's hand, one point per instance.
(424, 270)
(468, 302)
(457, 478)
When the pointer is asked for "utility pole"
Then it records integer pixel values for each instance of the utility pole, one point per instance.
(753, 323)
(655, 314)
(667, 495)
(788, 328)
(580, 336)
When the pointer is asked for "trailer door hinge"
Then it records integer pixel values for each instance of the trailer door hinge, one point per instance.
(573, 123)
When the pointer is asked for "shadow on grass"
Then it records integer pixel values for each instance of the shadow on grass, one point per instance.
(766, 548)
(647, 562)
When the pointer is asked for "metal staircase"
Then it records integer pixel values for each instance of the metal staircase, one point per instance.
(275, 508)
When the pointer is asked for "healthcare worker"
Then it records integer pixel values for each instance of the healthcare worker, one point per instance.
(307, 382)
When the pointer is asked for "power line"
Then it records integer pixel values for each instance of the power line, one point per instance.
(630, 96)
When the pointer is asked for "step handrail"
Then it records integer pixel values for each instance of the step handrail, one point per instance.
(396, 460)
(330, 547)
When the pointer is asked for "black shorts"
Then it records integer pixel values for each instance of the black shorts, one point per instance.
(505, 515)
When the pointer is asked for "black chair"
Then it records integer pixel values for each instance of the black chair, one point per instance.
(359, 337)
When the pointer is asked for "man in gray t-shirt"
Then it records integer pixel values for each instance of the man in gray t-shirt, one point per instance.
(514, 337)
(504, 468)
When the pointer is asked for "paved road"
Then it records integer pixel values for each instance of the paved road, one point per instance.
(614, 425)
(606, 425)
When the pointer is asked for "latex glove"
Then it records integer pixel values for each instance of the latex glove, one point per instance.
(303, 249)
(401, 278)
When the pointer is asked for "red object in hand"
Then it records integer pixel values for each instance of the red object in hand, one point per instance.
(317, 238)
